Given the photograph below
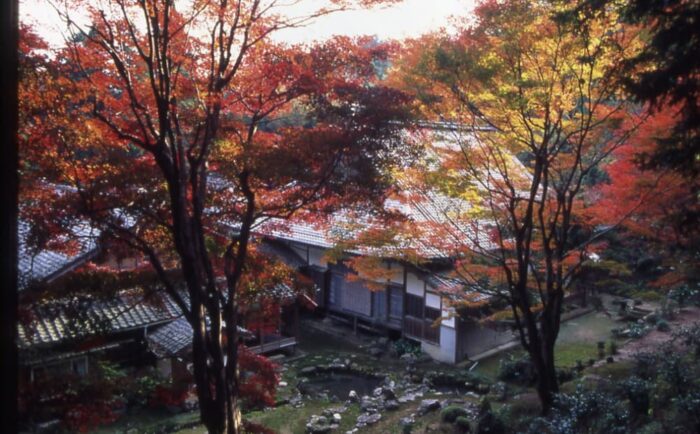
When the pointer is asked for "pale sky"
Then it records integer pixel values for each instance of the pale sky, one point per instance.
(410, 18)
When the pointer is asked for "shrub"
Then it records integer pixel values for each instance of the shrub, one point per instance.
(663, 326)
(637, 391)
(684, 294)
(613, 348)
(517, 370)
(584, 411)
(463, 423)
(648, 295)
(404, 346)
(564, 375)
(451, 413)
(488, 421)
(638, 330)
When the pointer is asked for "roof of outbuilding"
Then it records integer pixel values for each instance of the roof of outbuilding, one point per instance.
(175, 338)
(62, 320)
(47, 264)
(171, 339)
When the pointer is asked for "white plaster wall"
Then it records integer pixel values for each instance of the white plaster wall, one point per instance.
(432, 300)
(316, 257)
(300, 250)
(446, 351)
(396, 273)
(414, 285)
(448, 317)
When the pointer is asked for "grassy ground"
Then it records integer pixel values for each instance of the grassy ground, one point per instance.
(290, 420)
(577, 340)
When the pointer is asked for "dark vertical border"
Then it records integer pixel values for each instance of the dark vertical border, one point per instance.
(9, 32)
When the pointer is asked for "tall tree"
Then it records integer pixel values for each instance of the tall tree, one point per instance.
(665, 73)
(535, 106)
(178, 131)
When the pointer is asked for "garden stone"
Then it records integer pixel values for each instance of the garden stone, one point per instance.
(388, 392)
(391, 405)
(404, 421)
(367, 405)
(499, 391)
(309, 370)
(375, 351)
(428, 405)
(408, 358)
(282, 384)
(368, 419)
(318, 425)
(377, 392)
(407, 397)
(352, 396)
(337, 418)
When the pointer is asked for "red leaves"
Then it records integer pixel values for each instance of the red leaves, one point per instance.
(259, 381)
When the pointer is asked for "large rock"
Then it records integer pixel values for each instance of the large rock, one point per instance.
(388, 392)
(391, 405)
(367, 405)
(368, 419)
(428, 405)
(309, 370)
(375, 351)
(318, 425)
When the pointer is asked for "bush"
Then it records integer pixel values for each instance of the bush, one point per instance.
(488, 421)
(518, 370)
(637, 391)
(684, 295)
(404, 346)
(584, 411)
(663, 326)
(564, 375)
(463, 423)
(451, 413)
(648, 295)
(638, 330)
(613, 348)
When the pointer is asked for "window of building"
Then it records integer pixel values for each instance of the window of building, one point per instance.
(414, 306)
(395, 301)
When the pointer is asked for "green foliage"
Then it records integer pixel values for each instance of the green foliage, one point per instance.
(488, 421)
(638, 330)
(662, 326)
(637, 391)
(684, 294)
(463, 424)
(648, 295)
(584, 411)
(405, 346)
(451, 413)
(517, 370)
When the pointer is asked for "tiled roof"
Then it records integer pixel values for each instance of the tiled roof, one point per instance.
(175, 338)
(57, 321)
(283, 253)
(47, 264)
(455, 289)
(171, 339)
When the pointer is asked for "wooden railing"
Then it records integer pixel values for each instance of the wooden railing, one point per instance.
(421, 329)
(279, 344)
(413, 327)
